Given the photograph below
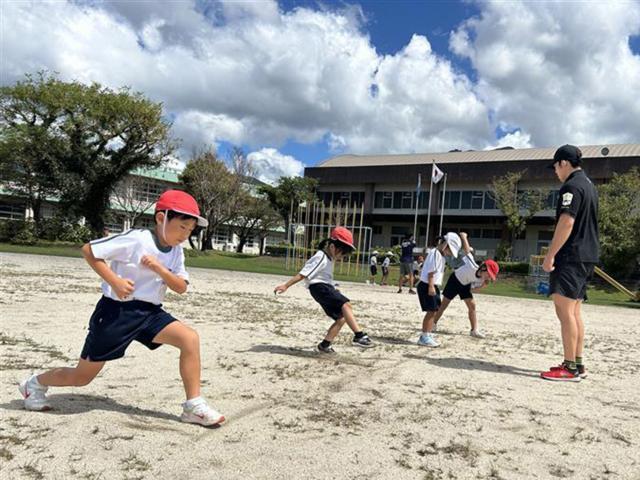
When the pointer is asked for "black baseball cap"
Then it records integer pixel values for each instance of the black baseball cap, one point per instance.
(570, 153)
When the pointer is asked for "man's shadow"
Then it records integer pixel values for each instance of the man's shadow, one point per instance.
(457, 363)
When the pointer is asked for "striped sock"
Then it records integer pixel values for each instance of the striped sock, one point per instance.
(579, 361)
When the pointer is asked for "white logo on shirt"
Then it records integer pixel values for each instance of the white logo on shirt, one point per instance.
(566, 199)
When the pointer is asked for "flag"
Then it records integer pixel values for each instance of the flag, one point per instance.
(419, 183)
(436, 174)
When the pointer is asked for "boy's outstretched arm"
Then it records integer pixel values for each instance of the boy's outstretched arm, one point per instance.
(465, 242)
(292, 281)
(123, 287)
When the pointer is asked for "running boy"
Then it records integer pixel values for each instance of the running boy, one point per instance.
(318, 275)
(143, 264)
(373, 267)
(465, 280)
(430, 280)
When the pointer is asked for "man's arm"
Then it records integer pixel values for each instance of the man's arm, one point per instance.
(560, 237)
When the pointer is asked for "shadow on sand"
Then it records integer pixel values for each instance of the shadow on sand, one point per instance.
(457, 363)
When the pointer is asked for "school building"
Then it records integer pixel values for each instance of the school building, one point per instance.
(137, 194)
(387, 185)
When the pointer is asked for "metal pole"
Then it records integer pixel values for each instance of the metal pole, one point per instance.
(444, 189)
(426, 242)
(415, 218)
(360, 243)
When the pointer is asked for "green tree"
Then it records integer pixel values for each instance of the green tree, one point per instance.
(217, 189)
(619, 222)
(83, 138)
(255, 218)
(518, 206)
(287, 193)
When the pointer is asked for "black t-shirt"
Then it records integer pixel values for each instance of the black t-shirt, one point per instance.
(407, 251)
(579, 198)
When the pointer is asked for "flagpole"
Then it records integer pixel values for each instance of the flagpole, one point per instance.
(426, 241)
(444, 189)
(415, 218)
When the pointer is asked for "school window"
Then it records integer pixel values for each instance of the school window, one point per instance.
(552, 200)
(466, 201)
(475, 232)
(545, 235)
(476, 200)
(148, 191)
(493, 233)
(12, 211)
(357, 198)
(422, 231)
(220, 236)
(397, 200)
(407, 200)
(383, 200)
(377, 229)
(145, 222)
(452, 200)
(423, 203)
(249, 242)
(115, 224)
(489, 201)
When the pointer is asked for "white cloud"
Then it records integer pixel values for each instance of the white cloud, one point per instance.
(560, 71)
(517, 139)
(270, 164)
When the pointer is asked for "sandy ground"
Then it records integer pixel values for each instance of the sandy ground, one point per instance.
(471, 409)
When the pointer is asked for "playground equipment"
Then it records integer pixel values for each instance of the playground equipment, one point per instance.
(313, 220)
(613, 282)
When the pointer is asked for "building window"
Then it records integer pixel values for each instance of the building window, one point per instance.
(383, 200)
(552, 200)
(489, 201)
(148, 191)
(452, 200)
(377, 229)
(466, 201)
(423, 203)
(407, 200)
(545, 235)
(12, 211)
(145, 222)
(494, 233)
(476, 200)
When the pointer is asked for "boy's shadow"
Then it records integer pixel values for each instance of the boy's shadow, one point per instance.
(310, 354)
(458, 363)
(72, 403)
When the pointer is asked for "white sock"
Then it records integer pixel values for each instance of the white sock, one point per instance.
(193, 402)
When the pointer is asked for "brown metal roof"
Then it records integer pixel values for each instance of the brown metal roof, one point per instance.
(588, 151)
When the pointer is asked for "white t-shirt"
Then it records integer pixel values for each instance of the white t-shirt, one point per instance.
(386, 262)
(125, 251)
(374, 260)
(466, 274)
(318, 269)
(434, 263)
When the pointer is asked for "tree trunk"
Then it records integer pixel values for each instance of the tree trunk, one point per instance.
(241, 244)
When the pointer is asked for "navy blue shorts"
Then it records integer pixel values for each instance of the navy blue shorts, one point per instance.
(114, 325)
(330, 299)
(428, 303)
(454, 287)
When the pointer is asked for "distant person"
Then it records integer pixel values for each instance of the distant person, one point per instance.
(464, 281)
(373, 267)
(318, 275)
(417, 267)
(143, 263)
(571, 258)
(406, 263)
(430, 280)
(385, 267)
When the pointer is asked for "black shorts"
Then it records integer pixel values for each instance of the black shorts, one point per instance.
(114, 325)
(570, 279)
(330, 299)
(385, 270)
(428, 303)
(454, 287)
(373, 269)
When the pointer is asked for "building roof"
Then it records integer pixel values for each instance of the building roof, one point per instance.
(479, 156)
(168, 174)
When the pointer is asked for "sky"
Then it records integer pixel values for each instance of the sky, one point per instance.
(296, 82)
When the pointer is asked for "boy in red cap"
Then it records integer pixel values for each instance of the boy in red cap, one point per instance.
(465, 280)
(143, 263)
(318, 275)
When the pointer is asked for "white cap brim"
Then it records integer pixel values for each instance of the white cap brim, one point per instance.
(202, 222)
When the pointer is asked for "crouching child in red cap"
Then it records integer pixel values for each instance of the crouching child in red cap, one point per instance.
(465, 280)
(318, 275)
(143, 263)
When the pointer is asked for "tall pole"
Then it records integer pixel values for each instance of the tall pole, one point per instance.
(360, 241)
(415, 218)
(444, 189)
(426, 242)
(353, 227)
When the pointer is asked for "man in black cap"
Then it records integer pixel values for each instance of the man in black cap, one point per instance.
(572, 256)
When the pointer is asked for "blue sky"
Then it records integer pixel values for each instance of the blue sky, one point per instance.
(297, 81)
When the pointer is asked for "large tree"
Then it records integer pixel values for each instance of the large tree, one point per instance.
(217, 189)
(518, 206)
(83, 138)
(255, 218)
(619, 222)
(287, 193)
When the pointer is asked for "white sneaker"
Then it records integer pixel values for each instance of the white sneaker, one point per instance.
(477, 334)
(34, 394)
(201, 413)
(427, 340)
(435, 328)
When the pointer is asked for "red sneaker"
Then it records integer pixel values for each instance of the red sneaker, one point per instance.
(560, 374)
(582, 372)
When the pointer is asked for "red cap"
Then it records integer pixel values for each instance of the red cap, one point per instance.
(492, 268)
(342, 235)
(180, 202)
